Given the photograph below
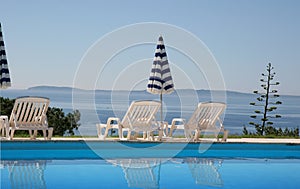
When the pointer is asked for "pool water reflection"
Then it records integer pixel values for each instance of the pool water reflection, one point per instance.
(188, 172)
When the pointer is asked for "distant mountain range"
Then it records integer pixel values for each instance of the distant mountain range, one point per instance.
(69, 89)
(54, 91)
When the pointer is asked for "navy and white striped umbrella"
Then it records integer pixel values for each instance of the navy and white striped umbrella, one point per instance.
(4, 73)
(160, 81)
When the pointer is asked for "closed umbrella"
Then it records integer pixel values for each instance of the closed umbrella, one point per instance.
(4, 72)
(160, 81)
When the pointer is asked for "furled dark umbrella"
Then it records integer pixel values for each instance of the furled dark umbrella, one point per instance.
(160, 81)
(4, 72)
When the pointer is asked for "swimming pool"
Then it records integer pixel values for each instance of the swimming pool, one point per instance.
(94, 164)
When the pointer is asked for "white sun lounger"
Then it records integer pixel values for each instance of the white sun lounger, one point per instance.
(29, 113)
(203, 120)
(140, 117)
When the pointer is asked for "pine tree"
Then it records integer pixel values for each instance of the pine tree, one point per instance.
(266, 100)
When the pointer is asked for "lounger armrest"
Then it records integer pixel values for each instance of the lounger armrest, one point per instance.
(174, 125)
(111, 119)
(174, 120)
(109, 125)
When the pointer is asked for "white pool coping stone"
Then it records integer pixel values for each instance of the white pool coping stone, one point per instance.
(230, 140)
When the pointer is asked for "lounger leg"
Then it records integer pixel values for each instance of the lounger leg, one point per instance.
(165, 129)
(50, 133)
(99, 131)
(145, 135)
(7, 132)
(106, 132)
(132, 135)
(148, 135)
(173, 126)
(12, 132)
(160, 134)
(188, 134)
(128, 135)
(151, 136)
(135, 135)
(224, 139)
(45, 134)
(120, 132)
(2, 129)
(31, 135)
(197, 135)
(217, 136)
(35, 134)
(171, 131)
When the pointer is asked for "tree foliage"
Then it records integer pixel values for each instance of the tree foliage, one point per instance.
(267, 103)
(6, 106)
(63, 124)
(274, 132)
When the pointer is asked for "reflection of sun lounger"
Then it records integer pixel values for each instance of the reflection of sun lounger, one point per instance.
(29, 113)
(140, 173)
(205, 171)
(140, 117)
(204, 119)
(26, 174)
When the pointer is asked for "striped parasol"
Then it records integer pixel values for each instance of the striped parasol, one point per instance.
(160, 81)
(4, 73)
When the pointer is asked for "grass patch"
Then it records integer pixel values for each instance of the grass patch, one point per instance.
(259, 136)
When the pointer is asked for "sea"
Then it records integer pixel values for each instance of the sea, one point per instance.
(96, 106)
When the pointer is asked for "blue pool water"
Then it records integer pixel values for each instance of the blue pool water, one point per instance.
(97, 164)
(174, 173)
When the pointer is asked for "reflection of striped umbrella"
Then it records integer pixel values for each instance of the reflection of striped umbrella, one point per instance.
(4, 73)
(160, 81)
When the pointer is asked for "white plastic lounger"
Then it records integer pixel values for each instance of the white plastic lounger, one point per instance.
(140, 117)
(204, 119)
(29, 113)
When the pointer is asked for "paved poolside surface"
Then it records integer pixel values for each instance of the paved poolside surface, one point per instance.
(230, 140)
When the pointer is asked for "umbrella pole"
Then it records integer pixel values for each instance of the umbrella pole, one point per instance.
(160, 134)
(161, 109)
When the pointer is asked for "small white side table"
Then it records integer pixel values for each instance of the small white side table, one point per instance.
(4, 127)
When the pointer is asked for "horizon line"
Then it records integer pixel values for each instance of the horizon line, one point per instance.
(53, 86)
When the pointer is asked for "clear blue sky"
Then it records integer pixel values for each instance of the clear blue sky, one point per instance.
(45, 40)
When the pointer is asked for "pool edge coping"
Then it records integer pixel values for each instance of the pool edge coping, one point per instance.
(173, 140)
